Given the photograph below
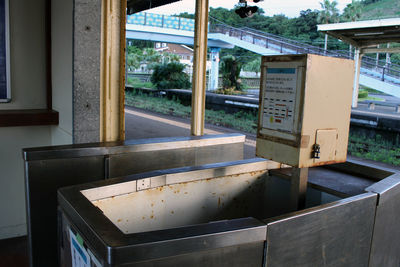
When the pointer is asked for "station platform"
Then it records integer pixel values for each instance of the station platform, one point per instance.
(144, 124)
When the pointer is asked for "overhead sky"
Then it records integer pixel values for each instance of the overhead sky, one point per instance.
(290, 8)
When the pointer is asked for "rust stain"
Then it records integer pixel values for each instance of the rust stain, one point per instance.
(186, 193)
(184, 184)
(143, 218)
(152, 217)
(172, 212)
(152, 204)
(162, 200)
(119, 220)
(314, 164)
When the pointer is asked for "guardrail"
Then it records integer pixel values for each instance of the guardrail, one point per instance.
(162, 21)
(387, 72)
(383, 71)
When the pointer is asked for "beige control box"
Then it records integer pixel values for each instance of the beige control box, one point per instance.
(305, 108)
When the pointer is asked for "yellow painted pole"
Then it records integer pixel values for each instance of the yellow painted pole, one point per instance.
(112, 83)
(199, 68)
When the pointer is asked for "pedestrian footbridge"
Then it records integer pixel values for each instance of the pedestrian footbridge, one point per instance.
(170, 29)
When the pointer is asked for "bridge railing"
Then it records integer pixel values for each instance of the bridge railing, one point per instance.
(317, 50)
(386, 72)
(161, 21)
(256, 38)
(382, 70)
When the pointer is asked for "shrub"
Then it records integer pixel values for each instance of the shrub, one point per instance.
(362, 94)
(170, 76)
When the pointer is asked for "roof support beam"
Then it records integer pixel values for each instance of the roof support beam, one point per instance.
(199, 68)
(341, 37)
(380, 50)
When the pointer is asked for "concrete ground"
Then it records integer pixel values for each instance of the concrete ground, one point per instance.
(146, 124)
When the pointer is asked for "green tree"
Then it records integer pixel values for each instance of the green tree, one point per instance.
(367, 2)
(151, 57)
(304, 27)
(167, 57)
(141, 44)
(222, 15)
(352, 11)
(170, 76)
(230, 69)
(133, 58)
(185, 15)
(253, 65)
(328, 14)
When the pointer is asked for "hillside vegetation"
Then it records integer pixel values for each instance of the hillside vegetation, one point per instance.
(381, 9)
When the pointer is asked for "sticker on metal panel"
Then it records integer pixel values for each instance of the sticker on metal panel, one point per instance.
(79, 255)
(280, 98)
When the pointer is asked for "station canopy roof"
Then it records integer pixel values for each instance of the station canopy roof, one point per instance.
(135, 6)
(364, 34)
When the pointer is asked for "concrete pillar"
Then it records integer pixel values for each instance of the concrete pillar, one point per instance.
(98, 70)
(86, 71)
(357, 59)
(387, 57)
(214, 73)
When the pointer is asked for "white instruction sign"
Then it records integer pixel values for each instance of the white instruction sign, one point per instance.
(280, 98)
(80, 257)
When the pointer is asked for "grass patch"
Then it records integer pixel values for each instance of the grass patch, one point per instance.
(243, 121)
(377, 149)
(370, 98)
(136, 83)
(371, 91)
(363, 94)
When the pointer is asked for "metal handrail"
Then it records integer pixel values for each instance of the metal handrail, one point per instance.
(284, 44)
